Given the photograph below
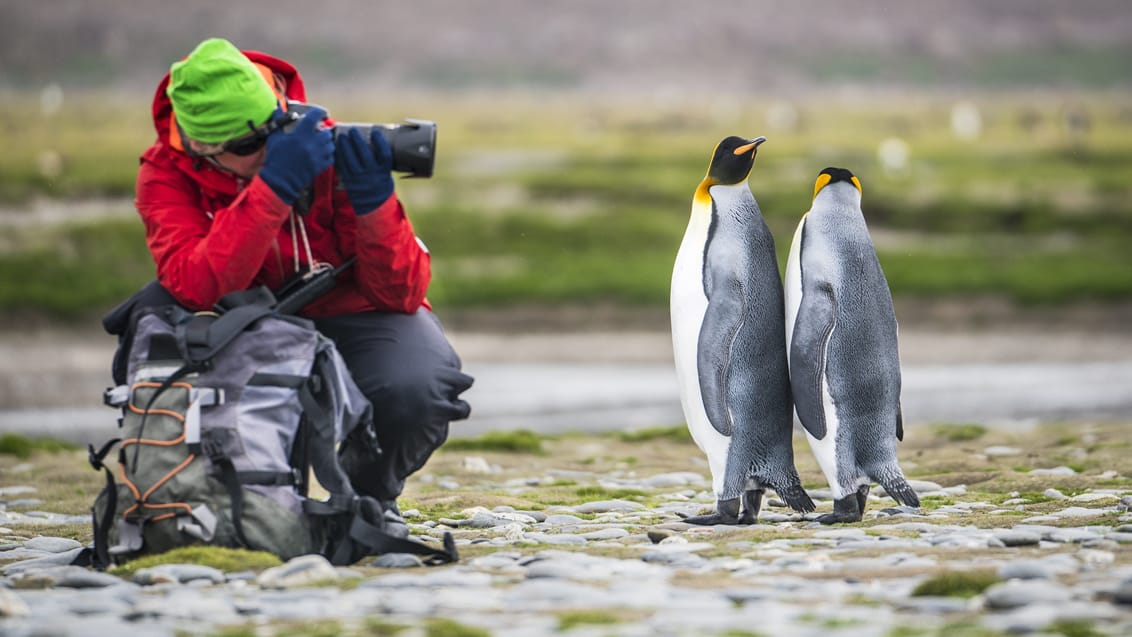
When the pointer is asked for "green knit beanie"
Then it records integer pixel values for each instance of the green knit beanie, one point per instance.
(216, 90)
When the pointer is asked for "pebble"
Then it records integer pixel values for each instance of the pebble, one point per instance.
(1056, 471)
(1013, 538)
(786, 575)
(397, 560)
(51, 544)
(299, 571)
(1016, 593)
(1000, 451)
(177, 574)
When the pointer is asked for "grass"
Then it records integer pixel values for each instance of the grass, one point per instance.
(574, 618)
(22, 446)
(517, 441)
(566, 202)
(443, 627)
(959, 432)
(677, 433)
(963, 584)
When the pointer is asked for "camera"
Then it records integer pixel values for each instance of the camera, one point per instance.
(413, 143)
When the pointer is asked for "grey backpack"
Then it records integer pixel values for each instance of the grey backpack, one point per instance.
(224, 417)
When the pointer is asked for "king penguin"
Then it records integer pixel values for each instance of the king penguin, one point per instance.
(727, 337)
(842, 347)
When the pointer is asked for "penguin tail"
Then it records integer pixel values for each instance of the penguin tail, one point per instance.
(898, 488)
(796, 498)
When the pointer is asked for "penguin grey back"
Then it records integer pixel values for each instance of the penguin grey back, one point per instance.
(862, 363)
(743, 370)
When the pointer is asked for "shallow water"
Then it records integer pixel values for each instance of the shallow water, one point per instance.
(556, 398)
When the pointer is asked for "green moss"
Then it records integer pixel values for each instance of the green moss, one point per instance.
(218, 557)
(956, 584)
(574, 618)
(959, 432)
(1074, 628)
(678, 433)
(517, 441)
(328, 628)
(375, 627)
(602, 493)
(450, 628)
(22, 446)
(932, 502)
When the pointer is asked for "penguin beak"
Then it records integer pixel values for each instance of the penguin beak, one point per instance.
(750, 147)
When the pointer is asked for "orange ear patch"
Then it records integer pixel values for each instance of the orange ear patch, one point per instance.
(822, 182)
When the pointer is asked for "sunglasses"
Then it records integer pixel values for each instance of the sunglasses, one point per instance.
(241, 146)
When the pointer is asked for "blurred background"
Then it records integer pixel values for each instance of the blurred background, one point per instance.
(993, 141)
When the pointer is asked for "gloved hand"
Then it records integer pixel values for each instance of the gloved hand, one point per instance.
(296, 154)
(364, 169)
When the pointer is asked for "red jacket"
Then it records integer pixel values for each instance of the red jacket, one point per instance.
(211, 232)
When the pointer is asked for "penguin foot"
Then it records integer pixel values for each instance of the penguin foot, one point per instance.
(847, 509)
(752, 503)
(837, 518)
(726, 512)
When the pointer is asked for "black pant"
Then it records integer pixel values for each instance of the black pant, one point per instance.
(405, 366)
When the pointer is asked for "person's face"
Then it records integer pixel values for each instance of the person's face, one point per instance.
(245, 166)
(244, 156)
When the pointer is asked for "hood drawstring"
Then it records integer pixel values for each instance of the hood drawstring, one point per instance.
(315, 266)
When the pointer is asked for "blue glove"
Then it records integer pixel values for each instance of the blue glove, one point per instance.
(297, 153)
(365, 170)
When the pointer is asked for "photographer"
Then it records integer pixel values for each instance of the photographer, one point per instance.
(234, 195)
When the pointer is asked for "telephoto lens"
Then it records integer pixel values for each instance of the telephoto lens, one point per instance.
(413, 143)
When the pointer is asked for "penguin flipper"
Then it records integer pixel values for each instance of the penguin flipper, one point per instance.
(817, 316)
(899, 423)
(722, 320)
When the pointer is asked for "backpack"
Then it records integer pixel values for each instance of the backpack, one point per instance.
(224, 416)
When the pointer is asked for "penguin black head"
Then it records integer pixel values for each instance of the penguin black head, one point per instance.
(733, 159)
(833, 175)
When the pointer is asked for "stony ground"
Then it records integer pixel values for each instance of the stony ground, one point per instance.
(1020, 532)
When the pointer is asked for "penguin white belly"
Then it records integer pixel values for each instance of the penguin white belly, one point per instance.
(825, 449)
(688, 305)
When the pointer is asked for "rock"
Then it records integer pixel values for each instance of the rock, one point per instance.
(11, 605)
(16, 490)
(1018, 593)
(1056, 471)
(52, 544)
(611, 533)
(558, 539)
(1054, 494)
(298, 571)
(397, 560)
(1092, 497)
(562, 520)
(1018, 538)
(48, 559)
(656, 536)
(178, 573)
(1122, 595)
(78, 577)
(1026, 569)
(606, 506)
(1122, 537)
(1002, 451)
(676, 479)
(477, 464)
